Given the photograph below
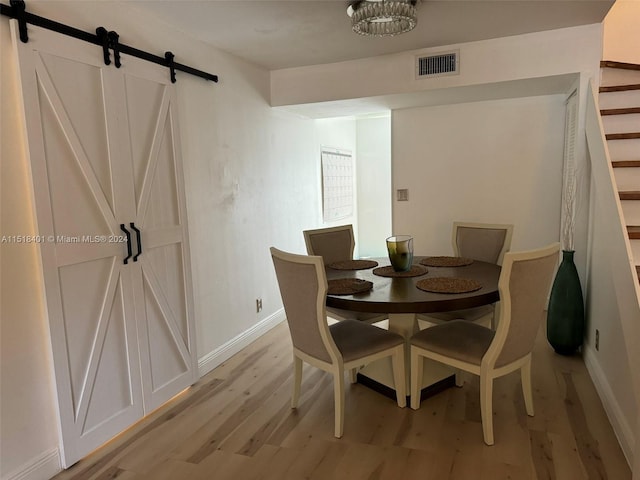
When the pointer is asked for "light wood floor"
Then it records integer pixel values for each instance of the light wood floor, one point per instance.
(236, 423)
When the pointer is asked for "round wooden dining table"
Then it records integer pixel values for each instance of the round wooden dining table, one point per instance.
(401, 299)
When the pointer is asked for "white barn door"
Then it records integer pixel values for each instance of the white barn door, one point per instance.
(104, 152)
(162, 283)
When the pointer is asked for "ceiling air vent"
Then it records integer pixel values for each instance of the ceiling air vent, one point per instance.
(445, 63)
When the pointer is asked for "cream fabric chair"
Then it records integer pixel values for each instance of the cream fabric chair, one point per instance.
(333, 244)
(336, 244)
(524, 287)
(485, 242)
(342, 346)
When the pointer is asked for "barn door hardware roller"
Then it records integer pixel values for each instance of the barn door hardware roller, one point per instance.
(107, 40)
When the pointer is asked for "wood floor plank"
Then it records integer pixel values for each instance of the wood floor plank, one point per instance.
(222, 465)
(506, 471)
(274, 413)
(424, 426)
(588, 447)
(171, 469)
(327, 465)
(566, 459)
(542, 455)
(319, 459)
(211, 435)
(361, 461)
(236, 424)
(159, 443)
(279, 464)
(371, 420)
(119, 473)
(318, 382)
(599, 425)
(427, 465)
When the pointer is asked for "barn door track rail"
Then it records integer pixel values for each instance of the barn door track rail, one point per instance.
(108, 40)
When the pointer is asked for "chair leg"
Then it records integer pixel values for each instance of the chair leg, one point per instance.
(297, 381)
(459, 380)
(338, 396)
(494, 324)
(486, 407)
(399, 376)
(525, 376)
(416, 378)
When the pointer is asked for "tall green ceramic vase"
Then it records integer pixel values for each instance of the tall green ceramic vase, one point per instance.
(565, 317)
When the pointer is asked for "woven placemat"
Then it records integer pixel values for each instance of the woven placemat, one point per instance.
(446, 261)
(448, 285)
(414, 271)
(353, 264)
(348, 286)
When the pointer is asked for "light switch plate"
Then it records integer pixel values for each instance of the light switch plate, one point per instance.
(403, 195)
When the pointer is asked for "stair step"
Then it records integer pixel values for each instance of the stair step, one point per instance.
(634, 232)
(625, 163)
(622, 136)
(624, 150)
(629, 195)
(619, 88)
(622, 65)
(620, 111)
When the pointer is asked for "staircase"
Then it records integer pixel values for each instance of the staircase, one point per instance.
(619, 100)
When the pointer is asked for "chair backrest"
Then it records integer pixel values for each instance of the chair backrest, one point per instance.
(303, 288)
(524, 285)
(333, 244)
(486, 242)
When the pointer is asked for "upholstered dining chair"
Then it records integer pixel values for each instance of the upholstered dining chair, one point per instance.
(337, 348)
(333, 244)
(336, 244)
(485, 242)
(525, 281)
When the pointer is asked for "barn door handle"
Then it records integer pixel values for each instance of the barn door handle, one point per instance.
(128, 234)
(137, 230)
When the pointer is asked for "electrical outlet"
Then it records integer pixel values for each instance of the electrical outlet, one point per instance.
(403, 194)
(597, 339)
(258, 305)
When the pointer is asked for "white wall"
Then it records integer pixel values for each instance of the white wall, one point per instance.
(28, 432)
(374, 184)
(622, 32)
(612, 304)
(251, 182)
(336, 133)
(493, 162)
(369, 141)
(535, 55)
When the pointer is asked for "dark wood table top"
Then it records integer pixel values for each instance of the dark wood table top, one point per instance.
(400, 295)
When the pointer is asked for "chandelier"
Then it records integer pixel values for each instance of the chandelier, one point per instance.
(382, 18)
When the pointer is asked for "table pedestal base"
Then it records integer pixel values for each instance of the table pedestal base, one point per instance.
(426, 392)
(378, 375)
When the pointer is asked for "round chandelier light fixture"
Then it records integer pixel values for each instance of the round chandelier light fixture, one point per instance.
(382, 18)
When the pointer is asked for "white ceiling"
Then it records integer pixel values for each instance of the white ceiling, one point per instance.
(281, 34)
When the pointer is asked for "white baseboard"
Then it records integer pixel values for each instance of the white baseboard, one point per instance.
(212, 359)
(620, 425)
(42, 467)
